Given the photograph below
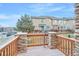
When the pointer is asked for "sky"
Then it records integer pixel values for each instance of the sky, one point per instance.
(11, 12)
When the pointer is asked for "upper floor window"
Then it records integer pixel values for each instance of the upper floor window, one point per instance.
(42, 20)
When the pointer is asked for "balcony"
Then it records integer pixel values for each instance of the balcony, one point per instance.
(38, 46)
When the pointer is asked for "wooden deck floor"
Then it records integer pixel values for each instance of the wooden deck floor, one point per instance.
(41, 51)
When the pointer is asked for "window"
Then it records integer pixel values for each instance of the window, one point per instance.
(42, 20)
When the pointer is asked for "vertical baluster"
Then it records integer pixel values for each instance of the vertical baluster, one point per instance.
(33, 40)
(45, 38)
(72, 48)
(29, 40)
(63, 46)
(68, 47)
(39, 41)
(13, 49)
(42, 39)
(10, 49)
(5, 52)
(16, 47)
(2, 53)
(60, 44)
(36, 39)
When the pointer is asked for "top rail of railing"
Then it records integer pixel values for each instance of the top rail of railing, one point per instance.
(37, 34)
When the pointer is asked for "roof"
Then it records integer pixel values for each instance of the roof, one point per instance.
(51, 17)
(42, 17)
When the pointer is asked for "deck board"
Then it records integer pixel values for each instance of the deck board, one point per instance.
(41, 51)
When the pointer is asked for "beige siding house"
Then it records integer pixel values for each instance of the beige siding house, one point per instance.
(42, 23)
(52, 23)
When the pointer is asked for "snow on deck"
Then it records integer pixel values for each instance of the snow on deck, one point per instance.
(41, 51)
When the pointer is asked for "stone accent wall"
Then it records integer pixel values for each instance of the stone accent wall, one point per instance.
(52, 40)
(22, 43)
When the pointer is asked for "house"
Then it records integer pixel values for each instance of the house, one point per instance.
(42, 23)
(6, 29)
(45, 23)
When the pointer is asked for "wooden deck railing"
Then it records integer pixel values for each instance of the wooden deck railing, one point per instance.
(9, 48)
(66, 45)
(37, 39)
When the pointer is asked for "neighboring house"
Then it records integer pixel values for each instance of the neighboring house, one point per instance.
(6, 29)
(67, 24)
(44, 23)
(64, 24)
